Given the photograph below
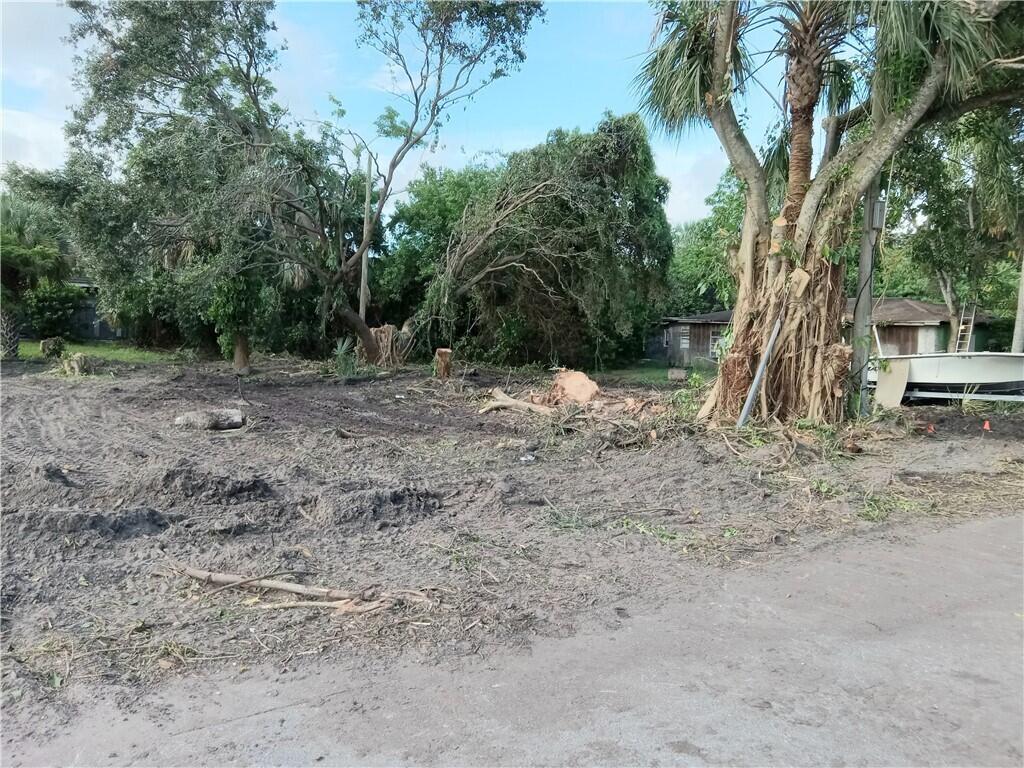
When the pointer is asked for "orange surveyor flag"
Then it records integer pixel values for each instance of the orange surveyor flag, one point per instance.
(986, 426)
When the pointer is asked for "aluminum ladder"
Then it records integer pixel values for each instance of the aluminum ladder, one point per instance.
(966, 330)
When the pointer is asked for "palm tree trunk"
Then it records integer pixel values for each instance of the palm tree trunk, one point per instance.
(9, 335)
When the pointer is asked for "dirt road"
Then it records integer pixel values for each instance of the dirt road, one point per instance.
(895, 649)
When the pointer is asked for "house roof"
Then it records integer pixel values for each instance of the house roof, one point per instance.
(909, 312)
(885, 312)
(723, 316)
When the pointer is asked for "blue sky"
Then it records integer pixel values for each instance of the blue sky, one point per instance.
(580, 63)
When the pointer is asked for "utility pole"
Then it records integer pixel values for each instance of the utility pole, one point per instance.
(364, 270)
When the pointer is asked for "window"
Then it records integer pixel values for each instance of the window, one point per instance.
(716, 337)
(684, 337)
(665, 336)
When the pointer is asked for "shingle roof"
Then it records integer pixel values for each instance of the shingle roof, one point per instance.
(885, 312)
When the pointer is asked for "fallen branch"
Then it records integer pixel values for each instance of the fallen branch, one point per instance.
(499, 401)
(341, 599)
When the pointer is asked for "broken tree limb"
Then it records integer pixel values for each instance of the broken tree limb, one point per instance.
(367, 596)
(500, 401)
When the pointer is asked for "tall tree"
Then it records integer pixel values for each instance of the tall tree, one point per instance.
(959, 193)
(921, 63)
(564, 256)
(182, 81)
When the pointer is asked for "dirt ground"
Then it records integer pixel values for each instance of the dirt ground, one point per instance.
(512, 526)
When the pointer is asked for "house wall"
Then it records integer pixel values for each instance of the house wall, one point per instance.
(699, 348)
(911, 339)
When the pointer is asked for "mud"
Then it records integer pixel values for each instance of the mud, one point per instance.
(519, 528)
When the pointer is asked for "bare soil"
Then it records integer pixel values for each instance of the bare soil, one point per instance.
(514, 526)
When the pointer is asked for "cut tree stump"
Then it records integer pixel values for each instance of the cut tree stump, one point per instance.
(443, 363)
(220, 418)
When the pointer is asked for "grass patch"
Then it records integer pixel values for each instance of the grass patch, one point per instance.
(563, 520)
(632, 525)
(879, 506)
(102, 350)
(644, 372)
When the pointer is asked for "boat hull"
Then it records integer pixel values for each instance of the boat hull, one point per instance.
(962, 374)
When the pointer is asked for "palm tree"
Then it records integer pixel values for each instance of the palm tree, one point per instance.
(32, 247)
(914, 63)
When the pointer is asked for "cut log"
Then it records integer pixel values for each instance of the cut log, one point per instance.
(500, 401)
(443, 363)
(573, 387)
(220, 418)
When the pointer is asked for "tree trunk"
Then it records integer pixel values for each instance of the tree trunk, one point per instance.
(1017, 345)
(9, 335)
(241, 362)
(949, 298)
(864, 299)
(364, 264)
(359, 327)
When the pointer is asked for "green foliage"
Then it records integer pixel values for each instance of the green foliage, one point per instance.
(958, 205)
(688, 399)
(50, 307)
(564, 259)
(31, 241)
(699, 277)
(52, 348)
(421, 228)
(345, 362)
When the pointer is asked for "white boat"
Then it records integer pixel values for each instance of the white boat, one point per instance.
(956, 375)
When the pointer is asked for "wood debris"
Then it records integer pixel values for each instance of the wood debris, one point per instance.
(342, 600)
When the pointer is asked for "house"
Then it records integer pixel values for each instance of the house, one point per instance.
(901, 326)
(687, 341)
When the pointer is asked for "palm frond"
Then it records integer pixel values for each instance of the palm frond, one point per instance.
(839, 85)
(907, 35)
(677, 74)
(775, 160)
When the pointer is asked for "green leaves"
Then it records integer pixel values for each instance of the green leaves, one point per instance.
(390, 124)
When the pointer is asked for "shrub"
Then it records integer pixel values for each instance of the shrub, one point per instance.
(52, 348)
(50, 308)
(345, 363)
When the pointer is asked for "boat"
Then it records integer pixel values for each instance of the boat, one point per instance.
(951, 375)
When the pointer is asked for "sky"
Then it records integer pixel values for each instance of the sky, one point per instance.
(580, 63)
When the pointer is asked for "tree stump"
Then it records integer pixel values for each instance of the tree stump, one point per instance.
(443, 363)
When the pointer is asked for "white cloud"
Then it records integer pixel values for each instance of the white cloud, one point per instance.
(37, 61)
(308, 68)
(31, 139)
(693, 176)
(389, 79)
